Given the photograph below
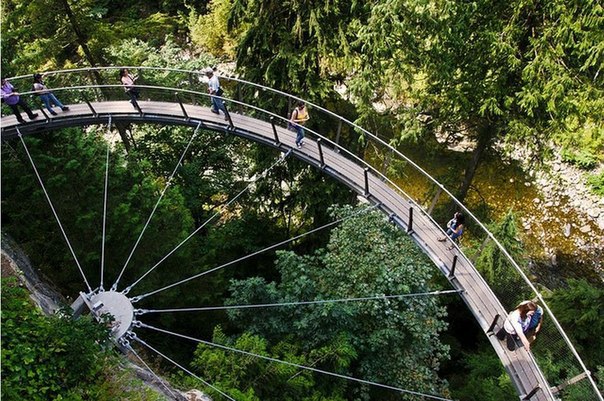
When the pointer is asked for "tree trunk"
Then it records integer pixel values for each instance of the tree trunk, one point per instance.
(123, 131)
(485, 136)
(82, 40)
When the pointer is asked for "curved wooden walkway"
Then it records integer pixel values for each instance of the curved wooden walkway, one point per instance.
(482, 302)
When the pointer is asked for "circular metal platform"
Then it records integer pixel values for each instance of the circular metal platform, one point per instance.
(118, 306)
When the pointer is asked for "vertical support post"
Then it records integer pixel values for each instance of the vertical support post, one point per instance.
(531, 394)
(137, 107)
(228, 115)
(182, 107)
(452, 271)
(90, 105)
(493, 324)
(321, 152)
(435, 200)
(366, 172)
(410, 223)
(277, 142)
(46, 117)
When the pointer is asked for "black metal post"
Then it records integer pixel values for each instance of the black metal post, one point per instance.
(410, 225)
(277, 142)
(532, 393)
(182, 106)
(366, 181)
(44, 113)
(321, 152)
(228, 115)
(137, 107)
(493, 324)
(90, 105)
(452, 271)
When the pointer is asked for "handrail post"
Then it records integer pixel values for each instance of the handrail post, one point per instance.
(410, 223)
(182, 106)
(366, 172)
(277, 142)
(452, 271)
(532, 393)
(493, 323)
(94, 113)
(228, 115)
(44, 113)
(321, 152)
(137, 107)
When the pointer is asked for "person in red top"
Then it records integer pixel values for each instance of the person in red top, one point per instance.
(14, 101)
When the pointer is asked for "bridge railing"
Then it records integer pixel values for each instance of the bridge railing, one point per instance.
(509, 280)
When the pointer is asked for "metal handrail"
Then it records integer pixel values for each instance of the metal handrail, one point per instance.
(368, 134)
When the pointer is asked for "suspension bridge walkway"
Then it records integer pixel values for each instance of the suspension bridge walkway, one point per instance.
(178, 106)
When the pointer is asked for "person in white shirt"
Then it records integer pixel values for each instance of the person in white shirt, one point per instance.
(216, 92)
(516, 324)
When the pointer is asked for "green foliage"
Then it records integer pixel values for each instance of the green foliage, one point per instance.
(494, 265)
(58, 357)
(209, 31)
(485, 379)
(582, 159)
(395, 341)
(56, 34)
(73, 172)
(580, 307)
(253, 378)
(596, 182)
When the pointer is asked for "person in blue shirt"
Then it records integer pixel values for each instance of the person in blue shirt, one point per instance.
(455, 228)
(534, 325)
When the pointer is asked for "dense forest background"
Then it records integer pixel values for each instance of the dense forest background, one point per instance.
(502, 76)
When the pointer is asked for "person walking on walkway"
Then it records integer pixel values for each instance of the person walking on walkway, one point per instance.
(128, 81)
(47, 97)
(297, 120)
(515, 325)
(14, 101)
(455, 228)
(215, 93)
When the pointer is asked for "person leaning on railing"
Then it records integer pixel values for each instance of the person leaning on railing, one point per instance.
(516, 324)
(14, 101)
(47, 97)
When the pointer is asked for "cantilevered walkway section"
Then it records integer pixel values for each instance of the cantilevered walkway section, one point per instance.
(365, 169)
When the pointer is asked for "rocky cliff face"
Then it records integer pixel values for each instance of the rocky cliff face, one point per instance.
(15, 263)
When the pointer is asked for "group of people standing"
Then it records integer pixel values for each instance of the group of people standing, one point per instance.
(15, 101)
(12, 98)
